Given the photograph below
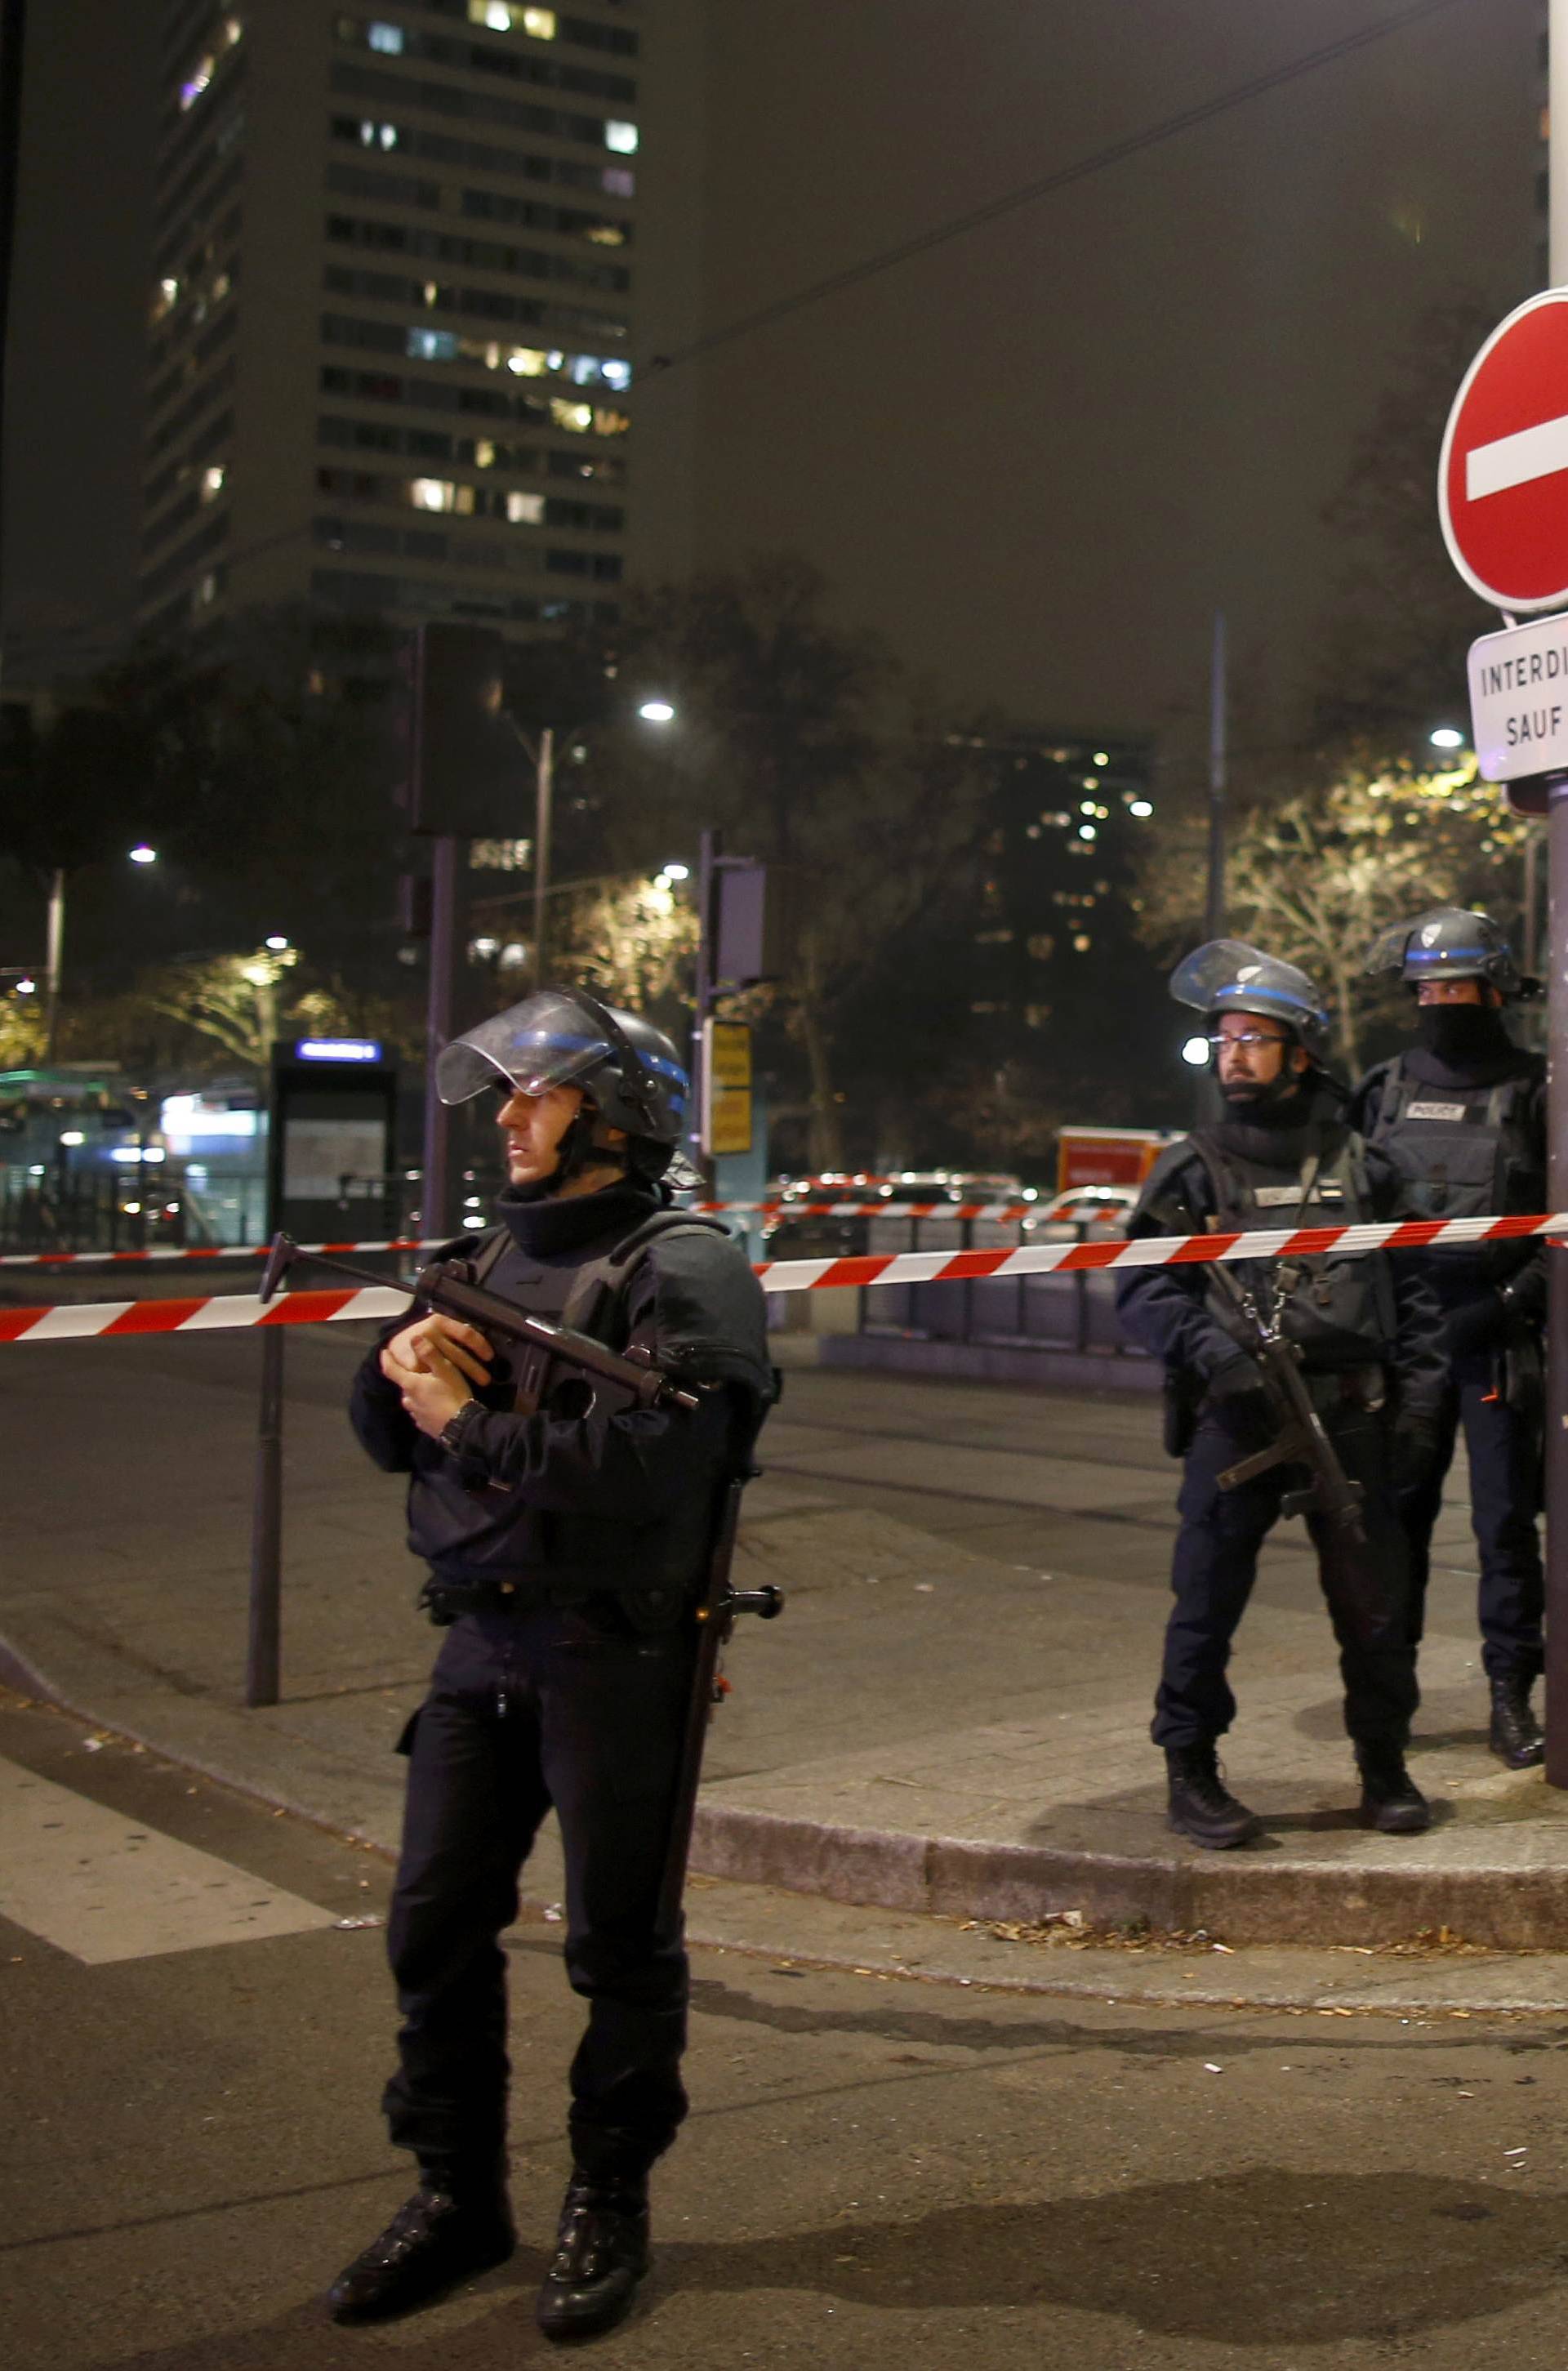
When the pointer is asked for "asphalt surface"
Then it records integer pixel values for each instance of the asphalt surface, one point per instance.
(875, 2170)
(952, 1717)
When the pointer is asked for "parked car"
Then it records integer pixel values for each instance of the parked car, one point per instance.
(1094, 1214)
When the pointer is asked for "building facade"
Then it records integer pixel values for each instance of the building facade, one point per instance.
(390, 344)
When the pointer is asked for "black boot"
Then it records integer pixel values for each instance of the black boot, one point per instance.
(1515, 1736)
(432, 2243)
(1390, 1799)
(601, 2254)
(1201, 1806)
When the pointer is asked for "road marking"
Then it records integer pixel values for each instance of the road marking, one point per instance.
(1538, 451)
(102, 1887)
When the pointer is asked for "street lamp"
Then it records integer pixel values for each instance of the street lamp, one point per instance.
(543, 752)
(1195, 1050)
(1447, 736)
(142, 855)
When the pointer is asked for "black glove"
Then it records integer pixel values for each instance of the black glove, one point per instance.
(1413, 1453)
(1476, 1324)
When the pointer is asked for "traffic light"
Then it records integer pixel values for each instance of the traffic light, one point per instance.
(471, 776)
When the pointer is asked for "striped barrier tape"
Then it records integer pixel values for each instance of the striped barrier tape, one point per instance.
(219, 1313)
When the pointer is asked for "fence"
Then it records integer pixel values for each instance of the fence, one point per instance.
(1052, 1311)
(97, 1213)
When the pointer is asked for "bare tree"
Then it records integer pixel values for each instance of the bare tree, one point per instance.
(1316, 878)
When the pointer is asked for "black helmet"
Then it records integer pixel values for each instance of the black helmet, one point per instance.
(563, 1036)
(1449, 943)
(1229, 975)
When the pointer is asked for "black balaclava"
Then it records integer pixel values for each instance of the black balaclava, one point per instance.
(1462, 1035)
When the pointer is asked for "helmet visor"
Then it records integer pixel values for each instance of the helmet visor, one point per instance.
(546, 1041)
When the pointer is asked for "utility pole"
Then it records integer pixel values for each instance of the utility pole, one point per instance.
(544, 802)
(1557, 1039)
(1213, 911)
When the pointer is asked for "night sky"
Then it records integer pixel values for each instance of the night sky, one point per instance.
(1037, 457)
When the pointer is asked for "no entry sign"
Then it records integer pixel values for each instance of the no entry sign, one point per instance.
(1503, 477)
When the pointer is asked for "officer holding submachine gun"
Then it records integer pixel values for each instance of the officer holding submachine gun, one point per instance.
(1462, 1116)
(1294, 1386)
(577, 1514)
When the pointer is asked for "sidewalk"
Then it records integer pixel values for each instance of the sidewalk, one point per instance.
(950, 1717)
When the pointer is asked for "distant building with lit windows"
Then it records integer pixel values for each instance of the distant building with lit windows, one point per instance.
(389, 360)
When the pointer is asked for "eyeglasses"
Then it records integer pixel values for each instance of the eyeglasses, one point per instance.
(1218, 1037)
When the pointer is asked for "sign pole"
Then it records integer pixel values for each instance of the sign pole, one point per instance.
(1556, 1721)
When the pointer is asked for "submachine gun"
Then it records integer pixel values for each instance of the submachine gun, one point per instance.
(544, 1346)
(1301, 1440)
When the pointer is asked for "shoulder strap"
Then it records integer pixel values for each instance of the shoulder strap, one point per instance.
(492, 1246)
(601, 1283)
(1391, 1102)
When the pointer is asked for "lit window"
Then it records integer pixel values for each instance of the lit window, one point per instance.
(206, 592)
(494, 14)
(527, 361)
(213, 481)
(191, 90)
(388, 135)
(577, 417)
(617, 182)
(1082, 943)
(220, 287)
(386, 37)
(484, 453)
(621, 137)
(607, 234)
(432, 293)
(616, 374)
(540, 22)
(432, 346)
(525, 510)
(430, 494)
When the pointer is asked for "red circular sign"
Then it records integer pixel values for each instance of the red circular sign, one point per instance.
(1503, 477)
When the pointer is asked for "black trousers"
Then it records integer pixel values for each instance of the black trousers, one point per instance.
(1504, 1451)
(563, 1707)
(1216, 1564)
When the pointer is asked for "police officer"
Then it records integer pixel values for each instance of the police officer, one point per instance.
(1462, 1116)
(564, 1543)
(1279, 1155)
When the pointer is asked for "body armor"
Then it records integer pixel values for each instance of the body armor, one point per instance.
(1339, 1308)
(1462, 1151)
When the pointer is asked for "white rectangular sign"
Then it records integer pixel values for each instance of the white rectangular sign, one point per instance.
(1519, 688)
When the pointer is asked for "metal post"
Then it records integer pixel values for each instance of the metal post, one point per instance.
(1557, 1050)
(445, 953)
(263, 1652)
(544, 784)
(1214, 912)
(709, 847)
(52, 961)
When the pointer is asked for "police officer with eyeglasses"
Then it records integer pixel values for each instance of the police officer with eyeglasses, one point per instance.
(1461, 1115)
(1278, 1153)
(565, 1539)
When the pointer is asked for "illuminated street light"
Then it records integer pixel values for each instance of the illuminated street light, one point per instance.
(277, 943)
(72, 1135)
(678, 873)
(1139, 807)
(27, 987)
(657, 711)
(1196, 1051)
(142, 855)
(1447, 736)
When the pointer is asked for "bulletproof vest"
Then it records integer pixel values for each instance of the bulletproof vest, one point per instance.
(1461, 1152)
(474, 1535)
(1338, 1308)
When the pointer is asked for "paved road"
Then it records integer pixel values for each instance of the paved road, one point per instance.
(876, 2171)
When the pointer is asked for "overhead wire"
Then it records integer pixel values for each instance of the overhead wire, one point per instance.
(1030, 192)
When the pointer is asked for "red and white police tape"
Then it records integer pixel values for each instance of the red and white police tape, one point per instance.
(996, 1211)
(218, 1312)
